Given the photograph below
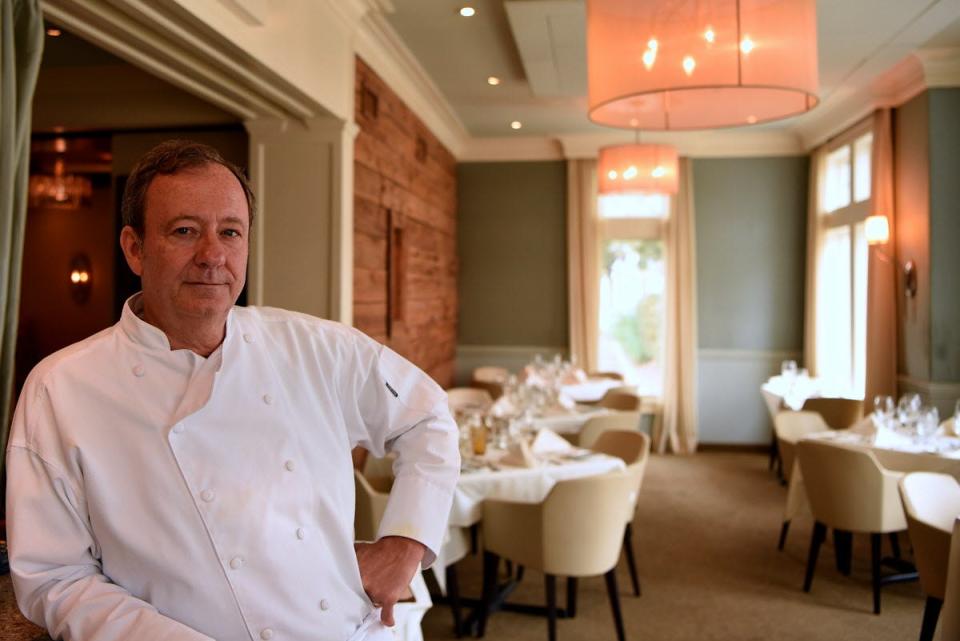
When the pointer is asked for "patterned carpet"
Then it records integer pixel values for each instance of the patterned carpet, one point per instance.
(706, 536)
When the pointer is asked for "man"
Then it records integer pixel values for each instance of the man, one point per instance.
(186, 474)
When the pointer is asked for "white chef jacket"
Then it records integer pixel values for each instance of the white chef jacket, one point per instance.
(156, 494)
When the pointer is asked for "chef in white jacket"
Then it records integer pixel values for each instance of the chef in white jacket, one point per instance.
(186, 473)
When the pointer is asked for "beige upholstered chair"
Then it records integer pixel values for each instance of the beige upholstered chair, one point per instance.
(597, 425)
(932, 504)
(838, 413)
(616, 376)
(576, 532)
(622, 398)
(634, 449)
(849, 491)
(464, 398)
(790, 427)
(491, 374)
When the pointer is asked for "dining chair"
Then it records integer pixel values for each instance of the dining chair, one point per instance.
(491, 374)
(932, 504)
(576, 532)
(372, 495)
(849, 491)
(789, 427)
(623, 398)
(633, 448)
(616, 376)
(597, 425)
(462, 398)
(838, 413)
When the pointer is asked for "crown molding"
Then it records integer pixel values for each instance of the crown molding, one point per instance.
(512, 148)
(380, 47)
(941, 67)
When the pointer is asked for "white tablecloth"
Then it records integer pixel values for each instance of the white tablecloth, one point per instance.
(591, 390)
(569, 422)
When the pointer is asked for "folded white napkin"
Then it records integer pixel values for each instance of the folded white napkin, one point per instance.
(549, 442)
(502, 407)
(519, 454)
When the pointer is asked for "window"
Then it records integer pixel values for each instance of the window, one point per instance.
(842, 267)
(632, 288)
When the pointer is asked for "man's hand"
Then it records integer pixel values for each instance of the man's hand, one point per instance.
(386, 569)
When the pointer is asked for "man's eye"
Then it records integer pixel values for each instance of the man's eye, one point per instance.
(232, 233)
(181, 231)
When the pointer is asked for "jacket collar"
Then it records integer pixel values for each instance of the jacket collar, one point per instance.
(151, 337)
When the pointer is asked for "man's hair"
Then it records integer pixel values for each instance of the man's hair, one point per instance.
(168, 158)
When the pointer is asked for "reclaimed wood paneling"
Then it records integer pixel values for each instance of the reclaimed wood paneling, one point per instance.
(404, 179)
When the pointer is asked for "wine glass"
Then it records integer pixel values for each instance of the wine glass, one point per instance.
(907, 409)
(883, 409)
(928, 419)
(788, 369)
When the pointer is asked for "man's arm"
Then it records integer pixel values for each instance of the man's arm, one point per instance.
(400, 409)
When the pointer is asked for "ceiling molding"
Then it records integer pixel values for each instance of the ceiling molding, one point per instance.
(381, 48)
(512, 148)
(941, 67)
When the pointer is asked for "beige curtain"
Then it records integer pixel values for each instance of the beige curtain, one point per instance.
(21, 45)
(583, 247)
(814, 243)
(881, 275)
(679, 424)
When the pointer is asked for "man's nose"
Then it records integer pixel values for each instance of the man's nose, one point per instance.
(211, 252)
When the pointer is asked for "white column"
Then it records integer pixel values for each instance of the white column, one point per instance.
(301, 253)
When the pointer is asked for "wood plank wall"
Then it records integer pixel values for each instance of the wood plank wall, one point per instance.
(405, 229)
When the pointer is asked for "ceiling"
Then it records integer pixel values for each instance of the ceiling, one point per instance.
(538, 50)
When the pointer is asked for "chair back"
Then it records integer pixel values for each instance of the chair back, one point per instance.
(848, 489)
(623, 398)
(616, 376)
(838, 413)
(633, 448)
(583, 524)
(491, 374)
(597, 425)
(790, 427)
(932, 504)
(371, 503)
(465, 398)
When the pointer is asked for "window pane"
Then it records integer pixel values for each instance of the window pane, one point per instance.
(860, 253)
(836, 193)
(862, 148)
(834, 322)
(633, 206)
(632, 291)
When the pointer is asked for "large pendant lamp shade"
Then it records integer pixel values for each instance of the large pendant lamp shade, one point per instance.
(637, 168)
(699, 64)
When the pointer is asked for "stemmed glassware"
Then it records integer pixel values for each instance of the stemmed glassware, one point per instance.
(908, 408)
(928, 419)
(883, 410)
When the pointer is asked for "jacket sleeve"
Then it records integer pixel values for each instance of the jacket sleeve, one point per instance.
(54, 556)
(398, 408)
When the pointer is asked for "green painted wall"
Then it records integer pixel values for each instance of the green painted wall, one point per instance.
(512, 244)
(944, 234)
(751, 244)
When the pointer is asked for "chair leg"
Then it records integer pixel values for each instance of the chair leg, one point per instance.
(614, 595)
(783, 534)
(931, 612)
(843, 548)
(550, 583)
(774, 453)
(819, 533)
(509, 568)
(453, 594)
(876, 542)
(491, 565)
(571, 597)
(631, 563)
(895, 545)
(520, 571)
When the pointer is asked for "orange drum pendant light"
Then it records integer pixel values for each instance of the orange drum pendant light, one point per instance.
(700, 64)
(637, 168)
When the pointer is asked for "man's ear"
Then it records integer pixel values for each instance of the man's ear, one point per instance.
(132, 246)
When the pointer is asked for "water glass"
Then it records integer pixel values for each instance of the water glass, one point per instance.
(927, 423)
(788, 369)
(907, 409)
(883, 409)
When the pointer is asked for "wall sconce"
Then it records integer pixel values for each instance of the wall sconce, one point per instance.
(877, 229)
(81, 278)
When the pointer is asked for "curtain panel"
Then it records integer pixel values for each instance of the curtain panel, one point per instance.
(679, 425)
(814, 244)
(21, 46)
(583, 261)
(881, 368)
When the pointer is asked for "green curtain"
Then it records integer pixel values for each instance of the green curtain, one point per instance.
(21, 45)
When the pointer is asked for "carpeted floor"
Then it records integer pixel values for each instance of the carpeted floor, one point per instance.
(706, 534)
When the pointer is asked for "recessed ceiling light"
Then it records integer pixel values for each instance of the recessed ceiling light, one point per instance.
(53, 32)
(493, 80)
(467, 11)
(516, 124)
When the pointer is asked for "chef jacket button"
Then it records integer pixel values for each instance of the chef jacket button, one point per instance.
(248, 338)
(268, 399)
(138, 370)
(266, 634)
(208, 495)
(178, 428)
(324, 604)
(290, 465)
(301, 533)
(236, 562)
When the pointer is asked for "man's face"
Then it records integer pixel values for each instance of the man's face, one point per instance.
(192, 259)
